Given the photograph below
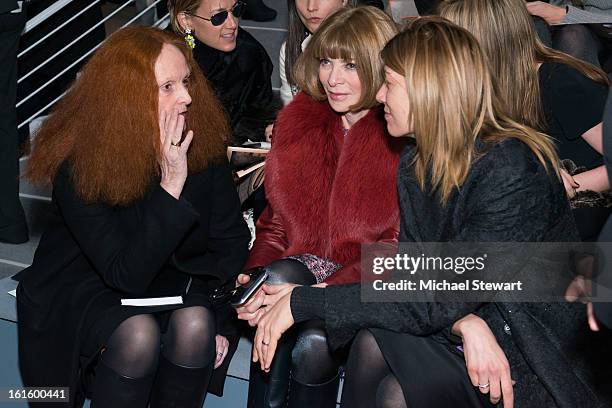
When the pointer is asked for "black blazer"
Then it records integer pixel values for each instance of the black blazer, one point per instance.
(94, 251)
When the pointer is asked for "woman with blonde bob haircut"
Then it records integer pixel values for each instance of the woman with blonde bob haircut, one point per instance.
(472, 175)
(330, 182)
(546, 89)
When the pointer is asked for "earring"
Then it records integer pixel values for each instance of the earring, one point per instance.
(189, 39)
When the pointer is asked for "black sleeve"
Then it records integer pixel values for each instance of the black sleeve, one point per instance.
(509, 202)
(228, 240)
(575, 102)
(259, 110)
(307, 303)
(126, 261)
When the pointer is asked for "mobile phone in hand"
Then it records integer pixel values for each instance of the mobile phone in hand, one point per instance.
(244, 292)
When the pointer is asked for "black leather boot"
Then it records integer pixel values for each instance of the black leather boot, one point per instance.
(320, 396)
(269, 390)
(117, 391)
(180, 387)
(256, 10)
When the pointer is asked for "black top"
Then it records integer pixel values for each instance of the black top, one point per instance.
(241, 80)
(573, 104)
(91, 255)
(507, 196)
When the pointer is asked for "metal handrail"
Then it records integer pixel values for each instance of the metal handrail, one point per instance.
(34, 116)
(59, 27)
(66, 47)
(45, 14)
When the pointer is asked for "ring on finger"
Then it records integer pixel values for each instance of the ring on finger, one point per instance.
(220, 354)
(264, 343)
(483, 386)
(177, 144)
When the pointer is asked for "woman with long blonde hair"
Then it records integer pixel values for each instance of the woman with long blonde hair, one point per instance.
(543, 88)
(472, 175)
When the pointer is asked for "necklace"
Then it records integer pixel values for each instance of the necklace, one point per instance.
(345, 131)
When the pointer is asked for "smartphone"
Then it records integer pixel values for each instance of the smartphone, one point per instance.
(243, 293)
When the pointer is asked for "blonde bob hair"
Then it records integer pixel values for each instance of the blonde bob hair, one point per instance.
(505, 30)
(453, 103)
(352, 34)
(177, 7)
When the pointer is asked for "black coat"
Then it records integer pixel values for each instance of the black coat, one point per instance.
(92, 255)
(241, 80)
(507, 196)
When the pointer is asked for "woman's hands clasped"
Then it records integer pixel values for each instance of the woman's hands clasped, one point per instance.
(173, 157)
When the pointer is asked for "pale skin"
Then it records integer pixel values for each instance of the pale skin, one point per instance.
(172, 77)
(222, 37)
(548, 12)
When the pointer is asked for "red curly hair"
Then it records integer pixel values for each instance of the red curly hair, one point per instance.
(106, 126)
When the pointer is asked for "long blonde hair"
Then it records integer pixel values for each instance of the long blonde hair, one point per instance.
(453, 103)
(507, 35)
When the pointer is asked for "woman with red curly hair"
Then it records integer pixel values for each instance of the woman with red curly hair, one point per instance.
(142, 209)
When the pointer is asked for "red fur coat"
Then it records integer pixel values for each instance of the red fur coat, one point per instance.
(328, 193)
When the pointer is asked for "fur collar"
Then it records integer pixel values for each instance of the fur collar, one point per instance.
(332, 191)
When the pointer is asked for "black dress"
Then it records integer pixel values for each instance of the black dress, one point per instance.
(507, 196)
(93, 255)
(572, 104)
(241, 80)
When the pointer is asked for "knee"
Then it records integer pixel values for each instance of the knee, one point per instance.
(311, 359)
(289, 271)
(364, 343)
(193, 326)
(137, 339)
(389, 393)
(574, 38)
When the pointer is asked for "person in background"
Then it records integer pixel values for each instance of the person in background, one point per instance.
(580, 28)
(545, 89)
(13, 227)
(305, 17)
(330, 179)
(234, 62)
(144, 207)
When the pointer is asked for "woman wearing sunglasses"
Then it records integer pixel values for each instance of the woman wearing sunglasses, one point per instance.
(236, 64)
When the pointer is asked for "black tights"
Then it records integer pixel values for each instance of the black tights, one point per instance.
(133, 349)
(368, 381)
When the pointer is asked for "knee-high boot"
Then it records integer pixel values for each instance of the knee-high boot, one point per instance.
(320, 395)
(269, 390)
(180, 387)
(111, 389)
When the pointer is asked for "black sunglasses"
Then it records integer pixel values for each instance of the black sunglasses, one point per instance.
(220, 17)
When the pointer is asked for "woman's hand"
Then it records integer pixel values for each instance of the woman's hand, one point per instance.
(173, 157)
(569, 183)
(486, 362)
(252, 310)
(276, 321)
(222, 346)
(580, 289)
(273, 293)
(551, 14)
